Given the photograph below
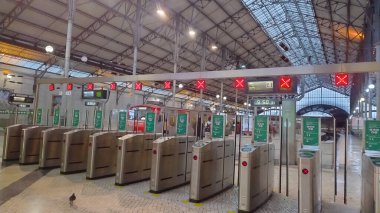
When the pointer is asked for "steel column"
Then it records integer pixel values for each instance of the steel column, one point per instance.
(136, 41)
(176, 54)
(378, 82)
(203, 63)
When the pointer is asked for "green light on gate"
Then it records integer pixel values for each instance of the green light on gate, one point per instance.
(98, 94)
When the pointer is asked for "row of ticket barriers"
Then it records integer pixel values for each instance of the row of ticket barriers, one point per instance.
(167, 161)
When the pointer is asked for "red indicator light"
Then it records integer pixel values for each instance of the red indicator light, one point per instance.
(244, 163)
(138, 85)
(167, 84)
(69, 86)
(51, 87)
(113, 86)
(154, 151)
(285, 82)
(201, 84)
(305, 171)
(239, 83)
(90, 86)
(195, 157)
(341, 79)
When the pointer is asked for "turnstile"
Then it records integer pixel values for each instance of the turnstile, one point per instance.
(370, 200)
(51, 147)
(74, 150)
(309, 184)
(212, 168)
(12, 141)
(171, 162)
(30, 144)
(101, 157)
(256, 175)
(134, 158)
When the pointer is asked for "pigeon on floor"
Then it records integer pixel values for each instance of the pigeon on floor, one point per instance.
(72, 198)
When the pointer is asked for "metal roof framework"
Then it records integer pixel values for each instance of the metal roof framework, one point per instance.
(104, 32)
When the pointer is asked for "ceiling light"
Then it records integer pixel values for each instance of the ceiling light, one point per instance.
(217, 96)
(249, 105)
(371, 86)
(180, 86)
(362, 99)
(160, 12)
(9, 76)
(224, 98)
(357, 108)
(214, 47)
(84, 59)
(367, 90)
(192, 33)
(243, 66)
(245, 103)
(49, 49)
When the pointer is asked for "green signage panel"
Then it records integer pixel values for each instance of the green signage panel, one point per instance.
(98, 119)
(39, 116)
(260, 131)
(372, 135)
(310, 132)
(76, 114)
(150, 122)
(56, 116)
(122, 121)
(182, 124)
(217, 126)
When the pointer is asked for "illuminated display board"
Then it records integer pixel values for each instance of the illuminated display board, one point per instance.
(265, 102)
(95, 94)
(271, 85)
(260, 86)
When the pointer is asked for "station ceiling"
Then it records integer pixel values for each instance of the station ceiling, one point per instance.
(251, 33)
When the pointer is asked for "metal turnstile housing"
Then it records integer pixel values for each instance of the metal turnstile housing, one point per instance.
(370, 200)
(309, 185)
(170, 159)
(134, 158)
(12, 141)
(211, 169)
(74, 150)
(30, 144)
(51, 147)
(256, 175)
(101, 157)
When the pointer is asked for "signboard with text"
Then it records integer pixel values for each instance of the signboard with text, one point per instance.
(261, 129)
(182, 120)
(56, 116)
(372, 135)
(98, 119)
(122, 121)
(150, 122)
(311, 128)
(76, 116)
(217, 126)
(39, 116)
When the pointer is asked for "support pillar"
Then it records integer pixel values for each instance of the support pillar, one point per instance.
(176, 55)
(136, 41)
(377, 87)
(221, 97)
(203, 64)
(289, 114)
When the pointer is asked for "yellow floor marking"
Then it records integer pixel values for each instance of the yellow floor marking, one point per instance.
(230, 211)
(155, 195)
(146, 192)
(185, 202)
(198, 204)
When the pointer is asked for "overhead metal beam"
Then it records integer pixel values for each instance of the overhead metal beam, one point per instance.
(362, 67)
(13, 15)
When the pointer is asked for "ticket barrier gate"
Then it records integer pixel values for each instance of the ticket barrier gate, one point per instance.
(101, 157)
(30, 144)
(309, 184)
(212, 168)
(74, 150)
(12, 141)
(256, 175)
(370, 200)
(51, 147)
(134, 158)
(170, 159)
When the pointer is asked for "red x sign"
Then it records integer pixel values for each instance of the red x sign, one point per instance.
(167, 84)
(69, 86)
(138, 85)
(201, 84)
(113, 86)
(51, 87)
(341, 79)
(90, 86)
(285, 82)
(239, 83)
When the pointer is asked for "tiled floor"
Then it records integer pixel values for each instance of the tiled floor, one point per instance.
(50, 193)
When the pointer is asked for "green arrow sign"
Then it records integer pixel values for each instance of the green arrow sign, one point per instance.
(217, 126)
(122, 121)
(311, 131)
(260, 131)
(372, 135)
(182, 124)
(98, 119)
(76, 117)
(56, 116)
(39, 116)
(150, 122)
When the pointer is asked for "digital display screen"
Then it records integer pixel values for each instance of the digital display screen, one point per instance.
(21, 99)
(88, 94)
(95, 94)
(260, 86)
(91, 103)
(264, 102)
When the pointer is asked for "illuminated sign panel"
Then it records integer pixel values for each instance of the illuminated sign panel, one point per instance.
(51, 87)
(239, 83)
(113, 86)
(69, 86)
(271, 85)
(167, 84)
(285, 83)
(90, 86)
(260, 86)
(138, 85)
(201, 84)
(341, 79)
